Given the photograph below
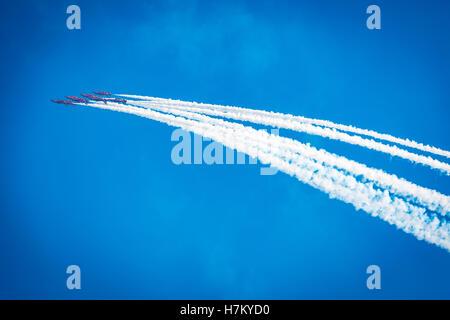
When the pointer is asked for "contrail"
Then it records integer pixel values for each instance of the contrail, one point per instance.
(404, 215)
(428, 198)
(305, 127)
(325, 123)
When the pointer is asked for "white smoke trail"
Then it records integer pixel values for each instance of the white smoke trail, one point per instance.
(428, 198)
(379, 203)
(325, 123)
(305, 127)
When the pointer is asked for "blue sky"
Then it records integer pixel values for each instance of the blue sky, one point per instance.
(98, 189)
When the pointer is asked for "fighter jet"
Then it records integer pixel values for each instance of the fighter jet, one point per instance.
(77, 99)
(93, 97)
(103, 93)
(66, 102)
(118, 100)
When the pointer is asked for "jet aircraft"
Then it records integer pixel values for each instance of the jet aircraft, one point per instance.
(77, 99)
(118, 100)
(103, 93)
(66, 102)
(94, 97)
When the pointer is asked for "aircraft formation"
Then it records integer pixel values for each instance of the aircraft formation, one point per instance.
(89, 97)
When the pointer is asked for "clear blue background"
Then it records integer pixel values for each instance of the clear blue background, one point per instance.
(98, 189)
